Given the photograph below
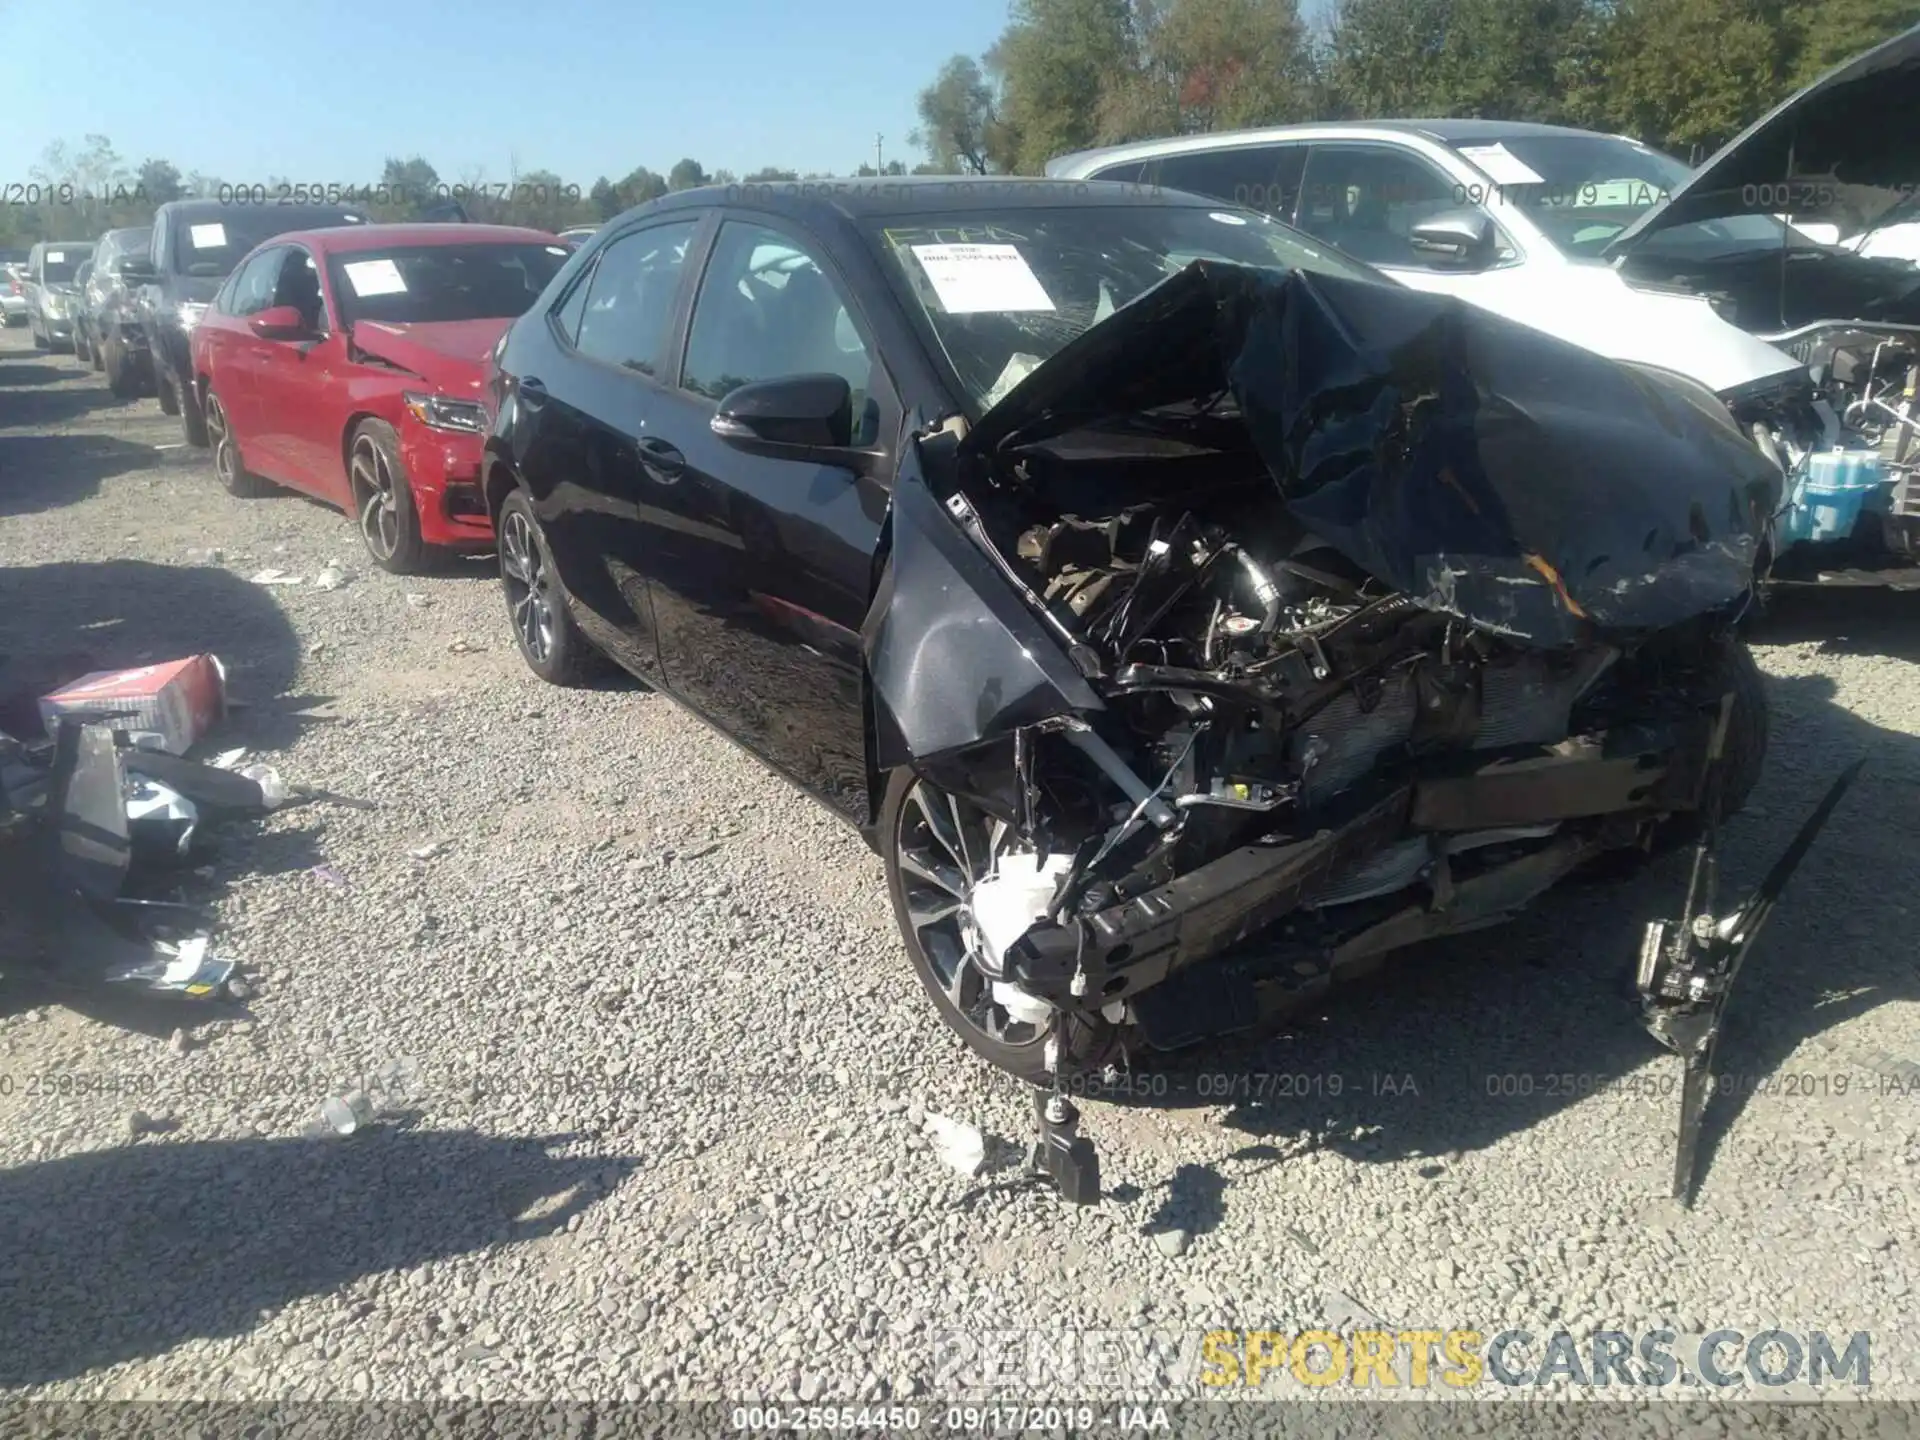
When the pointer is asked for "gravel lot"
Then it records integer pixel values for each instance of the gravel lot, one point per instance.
(655, 1064)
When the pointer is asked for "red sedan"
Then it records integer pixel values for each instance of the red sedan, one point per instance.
(348, 363)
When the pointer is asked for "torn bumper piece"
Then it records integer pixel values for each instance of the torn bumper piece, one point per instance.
(1119, 953)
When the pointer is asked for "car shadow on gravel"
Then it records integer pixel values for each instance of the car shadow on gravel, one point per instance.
(32, 372)
(1462, 1043)
(114, 1255)
(1844, 620)
(45, 472)
(44, 408)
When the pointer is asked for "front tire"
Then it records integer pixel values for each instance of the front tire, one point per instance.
(80, 350)
(163, 387)
(235, 478)
(383, 501)
(549, 640)
(937, 846)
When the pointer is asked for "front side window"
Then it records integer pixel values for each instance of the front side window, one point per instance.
(1366, 199)
(768, 309)
(251, 289)
(298, 284)
(628, 319)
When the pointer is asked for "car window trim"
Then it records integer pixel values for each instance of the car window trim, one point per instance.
(821, 253)
(702, 231)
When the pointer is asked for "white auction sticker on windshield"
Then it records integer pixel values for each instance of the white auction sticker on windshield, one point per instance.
(54, 257)
(1503, 167)
(375, 277)
(972, 278)
(207, 237)
(1221, 217)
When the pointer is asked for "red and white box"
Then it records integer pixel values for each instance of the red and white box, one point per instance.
(178, 700)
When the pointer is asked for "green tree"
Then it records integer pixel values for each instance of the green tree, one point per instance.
(1211, 65)
(686, 175)
(771, 173)
(1690, 74)
(160, 181)
(1056, 60)
(642, 185)
(958, 116)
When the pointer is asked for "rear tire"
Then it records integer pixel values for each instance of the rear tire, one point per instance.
(543, 627)
(122, 383)
(80, 351)
(40, 342)
(163, 386)
(234, 477)
(193, 419)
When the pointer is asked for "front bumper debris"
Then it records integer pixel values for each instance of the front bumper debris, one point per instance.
(1688, 967)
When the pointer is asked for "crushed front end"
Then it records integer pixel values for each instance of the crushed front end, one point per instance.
(1276, 624)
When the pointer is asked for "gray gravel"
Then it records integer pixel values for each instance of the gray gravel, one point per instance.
(654, 1070)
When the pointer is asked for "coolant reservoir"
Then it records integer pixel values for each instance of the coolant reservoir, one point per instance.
(1832, 490)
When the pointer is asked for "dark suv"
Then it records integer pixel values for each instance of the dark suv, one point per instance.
(194, 246)
(51, 294)
(107, 328)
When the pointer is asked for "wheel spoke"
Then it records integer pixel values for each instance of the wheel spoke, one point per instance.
(941, 877)
(925, 911)
(940, 827)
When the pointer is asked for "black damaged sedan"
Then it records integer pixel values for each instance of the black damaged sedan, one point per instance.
(1189, 616)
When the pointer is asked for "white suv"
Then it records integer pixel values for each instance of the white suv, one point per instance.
(1510, 216)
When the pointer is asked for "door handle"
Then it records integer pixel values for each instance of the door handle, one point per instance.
(661, 460)
(533, 394)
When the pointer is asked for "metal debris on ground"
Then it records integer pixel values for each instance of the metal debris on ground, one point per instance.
(332, 577)
(276, 577)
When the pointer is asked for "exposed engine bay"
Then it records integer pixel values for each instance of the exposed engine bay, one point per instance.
(1377, 770)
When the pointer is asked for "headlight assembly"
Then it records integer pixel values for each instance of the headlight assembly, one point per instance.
(443, 412)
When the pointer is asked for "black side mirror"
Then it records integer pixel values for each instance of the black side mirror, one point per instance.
(791, 418)
(1461, 239)
(135, 269)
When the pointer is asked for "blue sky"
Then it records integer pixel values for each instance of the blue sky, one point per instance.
(324, 92)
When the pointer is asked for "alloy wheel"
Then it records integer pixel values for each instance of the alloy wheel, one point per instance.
(945, 847)
(529, 587)
(226, 456)
(375, 489)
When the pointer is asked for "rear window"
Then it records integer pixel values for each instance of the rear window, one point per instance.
(59, 262)
(415, 284)
(209, 245)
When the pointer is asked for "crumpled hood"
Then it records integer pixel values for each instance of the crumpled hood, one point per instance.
(1484, 468)
(1841, 152)
(450, 352)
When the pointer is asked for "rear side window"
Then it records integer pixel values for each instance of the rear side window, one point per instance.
(1261, 177)
(628, 319)
(59, 263)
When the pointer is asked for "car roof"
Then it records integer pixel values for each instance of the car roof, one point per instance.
(1445, 131)
(857, 197)
(345, 239)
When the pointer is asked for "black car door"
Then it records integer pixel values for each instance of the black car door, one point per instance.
(586, 405)
(762, 568)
